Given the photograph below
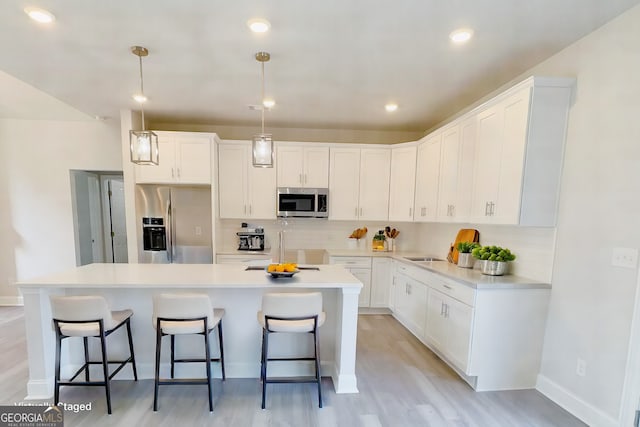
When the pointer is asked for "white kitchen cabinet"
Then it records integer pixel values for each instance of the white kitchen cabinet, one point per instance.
(359, 183)
(361, 268)
(448, 177)
(303, 165)
(381, 280)
(427, 178)
(184, 158)
(245, 192)
(410, 304)
(518, 156)
(402, 183)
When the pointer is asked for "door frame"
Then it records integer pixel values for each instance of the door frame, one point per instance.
(630, 401)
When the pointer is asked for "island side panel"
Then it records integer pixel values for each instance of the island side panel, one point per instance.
(344, 376)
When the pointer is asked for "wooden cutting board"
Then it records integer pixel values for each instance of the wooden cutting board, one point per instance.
(464, 235)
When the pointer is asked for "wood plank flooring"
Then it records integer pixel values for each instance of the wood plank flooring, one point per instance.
(401, 383)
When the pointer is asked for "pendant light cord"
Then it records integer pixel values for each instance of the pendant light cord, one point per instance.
(262, 97)
(141, 92)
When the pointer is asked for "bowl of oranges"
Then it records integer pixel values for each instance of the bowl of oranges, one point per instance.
(282, 270)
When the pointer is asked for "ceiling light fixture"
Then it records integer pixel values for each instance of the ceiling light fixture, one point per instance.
(40, 15)
(259, 25)
(391, 107)
(268, 103)
(462, 35)
(262, 143)
(139, 98)
(143, 143)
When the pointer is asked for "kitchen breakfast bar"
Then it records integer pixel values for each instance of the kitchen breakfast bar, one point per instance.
(232, 287)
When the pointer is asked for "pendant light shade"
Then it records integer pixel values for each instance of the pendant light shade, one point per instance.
(143, 143)
(262, 147)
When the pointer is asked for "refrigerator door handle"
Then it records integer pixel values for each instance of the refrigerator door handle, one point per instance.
(169, 232)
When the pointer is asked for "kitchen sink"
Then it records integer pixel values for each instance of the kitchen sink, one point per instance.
(422, 258)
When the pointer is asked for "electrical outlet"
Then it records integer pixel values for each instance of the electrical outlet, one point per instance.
(198, 230)
(624, 257)
(581, 367)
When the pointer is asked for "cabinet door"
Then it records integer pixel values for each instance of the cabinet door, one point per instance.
(289, 165)
(417, 293)
(467, 145)
(436, 330)
(402, 183)
(232, 175)
(261, 192)
(374, 184)
(516, 119)
(380, 282)
(487, 163)
(448, 178)
(316, 167)
(401, 298)
(344, 183)
(164, 172)
(428, 171)
(460, 320)
(364, 275)
(193, 163)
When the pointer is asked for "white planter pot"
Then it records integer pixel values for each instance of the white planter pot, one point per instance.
(465, 260)
(494, 268)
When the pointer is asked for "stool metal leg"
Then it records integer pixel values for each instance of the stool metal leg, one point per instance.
(56, 397)
(133, 358)
(265, 358)
(173, 357)
(224, 376)
(207, 361)
(86, 358)
(316, 338)
(157, 376)
(105, 368)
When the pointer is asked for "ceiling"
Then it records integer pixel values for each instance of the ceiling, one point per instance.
(334, 63)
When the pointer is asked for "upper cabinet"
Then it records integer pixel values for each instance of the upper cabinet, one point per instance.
(359, 183)
(184, 158)
(303, 165)
(244, 191)
(427, 178)
(403, 180)
(518, 154)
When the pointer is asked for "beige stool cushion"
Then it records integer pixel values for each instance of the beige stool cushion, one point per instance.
(185, 306)
(291, 305)
(84, 308)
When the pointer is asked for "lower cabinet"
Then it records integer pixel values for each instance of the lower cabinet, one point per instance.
(380, 282)
(411, 299)
(361, 268)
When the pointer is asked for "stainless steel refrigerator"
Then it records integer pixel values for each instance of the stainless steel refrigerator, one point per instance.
(174, 224)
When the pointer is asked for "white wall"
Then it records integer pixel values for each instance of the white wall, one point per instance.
(37, 219)
(592, 301)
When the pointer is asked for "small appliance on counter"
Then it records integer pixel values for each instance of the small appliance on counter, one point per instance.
(250, 238)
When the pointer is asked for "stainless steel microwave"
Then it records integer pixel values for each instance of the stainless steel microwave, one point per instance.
(303, 202)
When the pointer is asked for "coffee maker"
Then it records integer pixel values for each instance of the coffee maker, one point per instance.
(250, 238)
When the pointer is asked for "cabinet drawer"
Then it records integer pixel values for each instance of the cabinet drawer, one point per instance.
(351, 262)
(410, 271)
(452, 288)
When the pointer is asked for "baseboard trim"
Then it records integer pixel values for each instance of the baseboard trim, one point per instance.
(5, 301)
(586, 412)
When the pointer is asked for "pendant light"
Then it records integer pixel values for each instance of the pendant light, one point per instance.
(143, 143)
(262, 143)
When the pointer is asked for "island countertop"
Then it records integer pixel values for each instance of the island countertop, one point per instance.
(189, 275)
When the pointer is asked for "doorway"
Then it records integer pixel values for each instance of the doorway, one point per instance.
(99, 217)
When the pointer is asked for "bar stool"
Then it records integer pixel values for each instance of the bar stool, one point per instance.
(183, 314)
(291, 312)
(89, 316)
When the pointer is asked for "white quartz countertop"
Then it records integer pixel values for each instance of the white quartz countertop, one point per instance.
(189, 275)
(469, 277)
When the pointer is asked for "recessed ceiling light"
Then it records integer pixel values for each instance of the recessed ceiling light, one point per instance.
(461, 36)
(391, 107)
(140, 99)
(40, 15)
(269, 103)
(259, 25)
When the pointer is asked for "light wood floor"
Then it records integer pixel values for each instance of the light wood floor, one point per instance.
(401, 383)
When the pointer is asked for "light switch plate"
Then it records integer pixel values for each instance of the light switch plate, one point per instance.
(624, 257)
(198, 230)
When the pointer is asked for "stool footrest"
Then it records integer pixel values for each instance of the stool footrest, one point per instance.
(281, 380)
(217, 359)
(90, 383)
(276, 359)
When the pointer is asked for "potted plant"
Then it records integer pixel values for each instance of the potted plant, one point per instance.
(465, 259)
(495, 260)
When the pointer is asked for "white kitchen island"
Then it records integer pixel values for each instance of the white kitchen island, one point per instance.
(230, 287)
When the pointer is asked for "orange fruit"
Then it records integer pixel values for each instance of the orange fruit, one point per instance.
(271, 268)
(280, 268)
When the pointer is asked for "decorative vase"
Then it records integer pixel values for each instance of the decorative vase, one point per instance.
(465, 260)
(494, 268)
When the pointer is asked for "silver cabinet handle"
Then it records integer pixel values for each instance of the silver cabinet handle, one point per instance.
(410, 211)
(172, 174)
(356, 211)
(486, 209)
(453, 210)
(305, 178)
(245, 209)
(408, 289)
(447, 287)
(441, 309)
(360, 211)
(249, 209)
(446, 311)
(178, 172)
(493, 208)
(300, 178)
